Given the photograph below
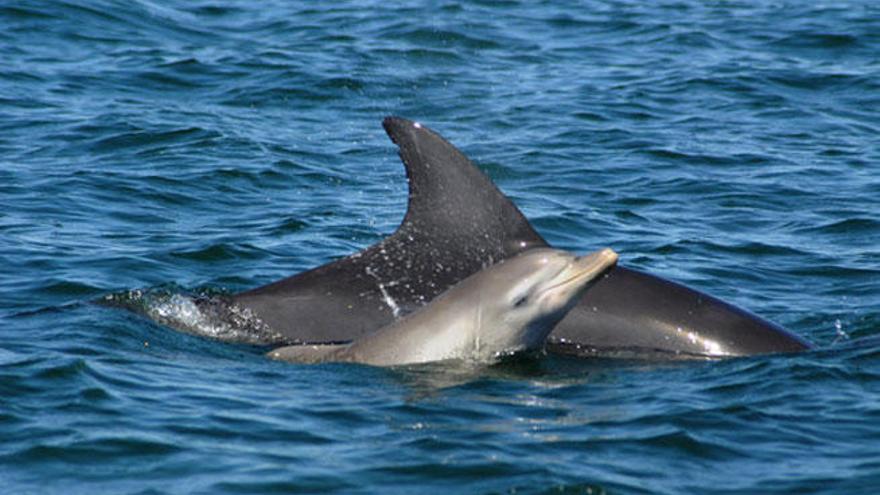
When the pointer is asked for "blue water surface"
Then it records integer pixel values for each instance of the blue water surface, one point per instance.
(175, 147)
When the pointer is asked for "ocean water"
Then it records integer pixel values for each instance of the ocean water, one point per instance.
(165, 148)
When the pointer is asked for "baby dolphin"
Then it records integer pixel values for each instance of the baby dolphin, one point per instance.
(509, 307)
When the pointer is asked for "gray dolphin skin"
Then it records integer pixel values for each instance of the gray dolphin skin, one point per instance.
(510, 307)
(457, 223)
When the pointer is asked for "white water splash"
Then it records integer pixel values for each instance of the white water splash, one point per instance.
(208, 316)
(839, 332)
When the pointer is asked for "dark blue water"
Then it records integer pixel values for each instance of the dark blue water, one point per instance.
(178, 147)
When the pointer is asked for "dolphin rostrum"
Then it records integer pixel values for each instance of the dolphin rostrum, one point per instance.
(509, 307)
(457, 223)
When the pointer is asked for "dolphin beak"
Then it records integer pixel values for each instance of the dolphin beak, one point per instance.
(592, 265)
(587, 268)
(600, 260)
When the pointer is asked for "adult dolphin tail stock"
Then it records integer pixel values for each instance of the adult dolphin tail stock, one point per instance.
(457, 223)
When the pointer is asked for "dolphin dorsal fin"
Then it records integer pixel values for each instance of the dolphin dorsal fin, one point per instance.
(457, 223)
(450, 197)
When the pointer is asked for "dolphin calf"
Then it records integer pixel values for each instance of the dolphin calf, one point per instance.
(509, 307)
(457, 223)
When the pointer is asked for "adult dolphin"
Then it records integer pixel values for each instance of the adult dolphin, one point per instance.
(457, 222)
(509, 307)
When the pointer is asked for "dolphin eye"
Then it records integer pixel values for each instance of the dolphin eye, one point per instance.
(521, 301)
